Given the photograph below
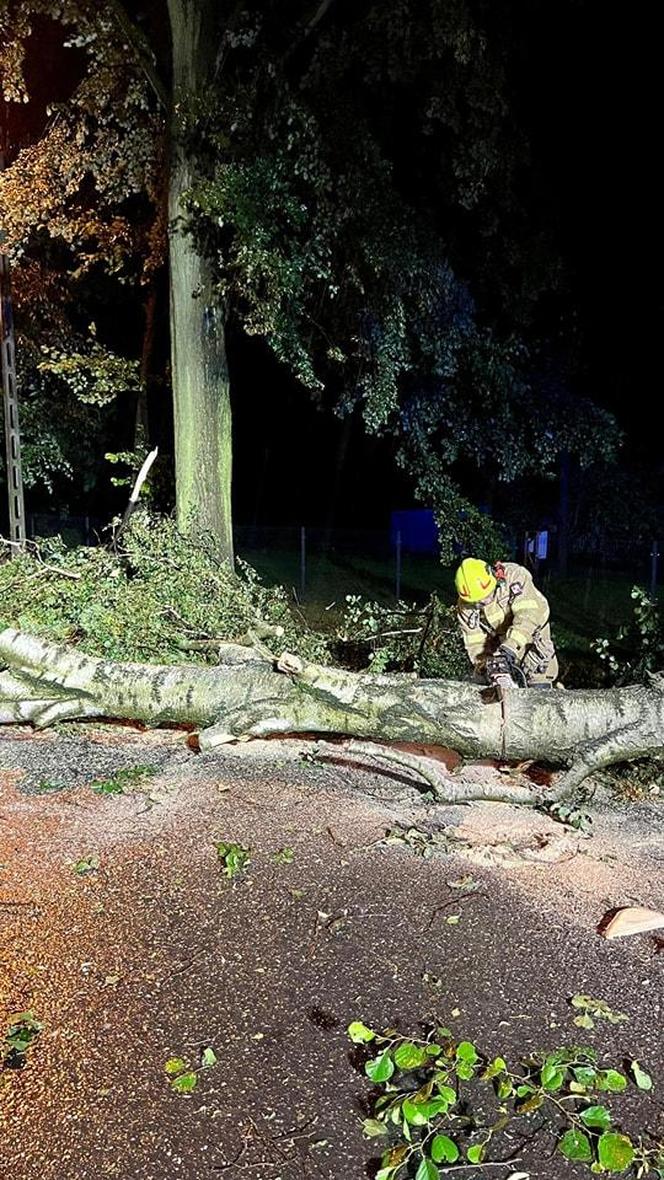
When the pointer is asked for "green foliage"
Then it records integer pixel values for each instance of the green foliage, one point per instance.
(145, 603)
(133, 460)
(87, 864)
(638, 647)
(435, 1095)
(82, 211)
(327, 241)
(570, 814)
(591, 1010)
(62, 439)
(182, 1077)
(401, 638)
(124, 781)
(234, 857)
(166, 599)
(46, 785)
(323, 249)
(21, 1034)
(95, 377)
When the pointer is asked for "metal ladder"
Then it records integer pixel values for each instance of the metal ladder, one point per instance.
(15, 497)
(10, 405)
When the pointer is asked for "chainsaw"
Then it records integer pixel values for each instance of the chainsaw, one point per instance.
(503, 671)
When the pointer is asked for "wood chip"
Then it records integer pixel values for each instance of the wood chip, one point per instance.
(633, 920)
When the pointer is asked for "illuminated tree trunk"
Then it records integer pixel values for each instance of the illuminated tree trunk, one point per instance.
(201, 402)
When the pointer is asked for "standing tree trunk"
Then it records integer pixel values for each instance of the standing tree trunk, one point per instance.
(201, 401)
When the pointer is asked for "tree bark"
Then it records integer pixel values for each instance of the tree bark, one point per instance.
(201, 398)
(253, 695)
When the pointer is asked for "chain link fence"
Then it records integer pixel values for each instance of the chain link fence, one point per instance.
(324, 565)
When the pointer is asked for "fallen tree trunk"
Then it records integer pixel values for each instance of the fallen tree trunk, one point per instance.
(250, 694)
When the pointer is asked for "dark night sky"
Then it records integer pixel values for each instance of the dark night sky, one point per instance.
(590, 101)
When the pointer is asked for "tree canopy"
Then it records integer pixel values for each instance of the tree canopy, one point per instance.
(360, 191)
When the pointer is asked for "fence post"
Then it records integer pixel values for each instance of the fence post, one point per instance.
(397, 564)
(654, 555)
(303, 561)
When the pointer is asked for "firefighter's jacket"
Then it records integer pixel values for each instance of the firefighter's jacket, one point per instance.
(516, 616)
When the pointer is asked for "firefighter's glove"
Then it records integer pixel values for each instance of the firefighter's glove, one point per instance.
(502, 668)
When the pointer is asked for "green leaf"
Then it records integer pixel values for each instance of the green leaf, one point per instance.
(385, 1173)
(597, 1008)
(234, 857)
(574, 1145)
(475, 1153)
(614, 1081)
(444, 1150)
(466, 1052)
(380, 1068)
(465, 1071)
(585, 1075)
(615, 1152)
(427, 1171)
(448, 1093)
(359, 1033)
(584, 1021)
(373, 1128)
(580, 1001)
(185, 1082)
(498, 1065)
(596, 1116)
(642, 1079)
(175, 1065)
(22, 1031)
(415, 1112)
(504, 1088)
(87, 864)
(409, 1056)
(552, 1078)
(434, 1106)
(208, 1058)
(434, 1050)
(109, 786)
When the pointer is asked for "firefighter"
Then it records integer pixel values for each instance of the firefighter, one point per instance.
(504, 621)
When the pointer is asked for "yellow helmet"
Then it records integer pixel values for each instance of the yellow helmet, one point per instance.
(474, 580)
